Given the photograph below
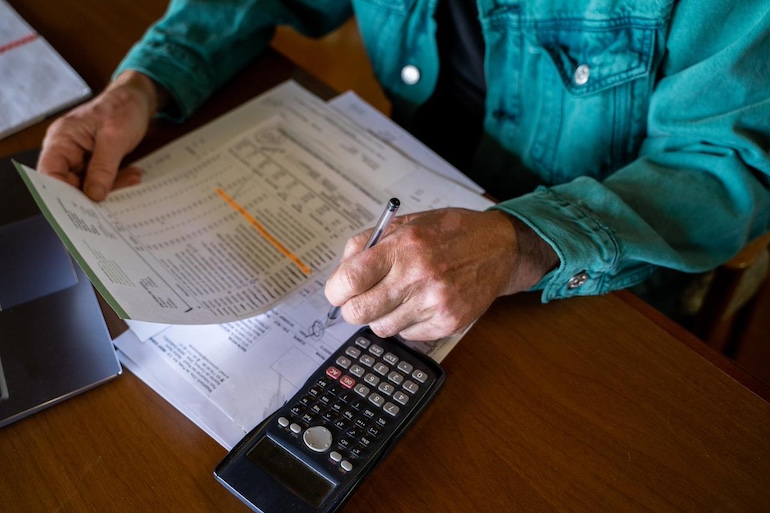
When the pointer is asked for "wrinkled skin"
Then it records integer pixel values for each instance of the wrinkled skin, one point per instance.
(436, 272)
(85, 146)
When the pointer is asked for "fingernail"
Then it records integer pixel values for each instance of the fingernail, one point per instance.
(96, 191)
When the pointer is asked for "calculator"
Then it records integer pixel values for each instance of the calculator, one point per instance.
(312, 453)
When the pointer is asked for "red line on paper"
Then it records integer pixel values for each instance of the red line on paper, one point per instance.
(17, 43)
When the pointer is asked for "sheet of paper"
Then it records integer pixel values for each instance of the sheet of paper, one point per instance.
(225, 229)
(36, 81)
(375, 122)
(228, 377)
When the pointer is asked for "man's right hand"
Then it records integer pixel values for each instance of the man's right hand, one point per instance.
(86, 146)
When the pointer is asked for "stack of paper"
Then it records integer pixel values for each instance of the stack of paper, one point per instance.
(36, 81)
(226, 245)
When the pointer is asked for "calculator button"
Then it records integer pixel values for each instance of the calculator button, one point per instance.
(346, 465)
(362, 390)
(349, 414)
(369, 413)
(326, 399)
(343, 362)
(347, 382)
(371, 379)
(335, 456)
(357, 451)
(381, 369)
(307, 418)
(405, 367)
(376, 399)
(357, 370)
(390, 358)
(386, 388)
(318, 438)
(362, 423)
(355, 403)
(373, 431)
(353, 352)
(365, 441)
(420, 376)
(362, 342)
(283, 422)
(297, 409)
(411, 387)
(382, 421)
(295, 428)
(367, 360)
(306, 400)
(376, 350)
(314, 391)
(329, 416)
(353, 432)
(316, 408)
(333, 372)
(401, 397)
(391, 409)
(340, 424)
(396, 378)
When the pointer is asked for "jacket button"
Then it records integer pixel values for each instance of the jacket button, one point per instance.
(582, 73)
(410, 74)
(578, 280)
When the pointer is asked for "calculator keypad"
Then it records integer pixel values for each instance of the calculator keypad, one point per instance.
(354, 402)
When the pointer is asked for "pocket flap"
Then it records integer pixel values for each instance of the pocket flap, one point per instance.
(590, 59)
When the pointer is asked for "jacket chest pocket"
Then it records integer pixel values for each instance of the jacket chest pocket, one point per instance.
(596, 82)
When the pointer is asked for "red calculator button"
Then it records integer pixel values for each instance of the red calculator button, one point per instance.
(347, 382)
(333, 372)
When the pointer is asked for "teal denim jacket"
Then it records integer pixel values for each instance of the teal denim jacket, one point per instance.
(630, 135)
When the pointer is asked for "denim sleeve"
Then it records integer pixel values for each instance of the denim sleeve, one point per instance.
(700, 187)
(200, 44)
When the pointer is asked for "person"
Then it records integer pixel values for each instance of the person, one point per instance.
(626, 140)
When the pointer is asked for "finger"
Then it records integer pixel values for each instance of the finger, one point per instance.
(128, 177)
(355, 244)
(383, 302)
(399, 318)
(61, 158)
(103, 167)
(358, 274)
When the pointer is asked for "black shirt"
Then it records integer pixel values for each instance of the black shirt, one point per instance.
(450, 122)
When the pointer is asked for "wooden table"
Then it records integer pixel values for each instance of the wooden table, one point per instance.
(591, 404)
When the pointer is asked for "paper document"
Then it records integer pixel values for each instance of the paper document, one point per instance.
(382, 127)
(228, 377)
(34, 79)
(223, 230)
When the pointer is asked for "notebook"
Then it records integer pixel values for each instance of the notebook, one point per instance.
(36, 80)
(54, 342)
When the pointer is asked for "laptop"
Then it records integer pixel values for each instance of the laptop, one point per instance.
(54, 341)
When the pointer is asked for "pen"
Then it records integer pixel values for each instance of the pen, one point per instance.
(388, 214)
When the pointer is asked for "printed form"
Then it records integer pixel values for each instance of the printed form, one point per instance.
(221, 233)
(235, 229)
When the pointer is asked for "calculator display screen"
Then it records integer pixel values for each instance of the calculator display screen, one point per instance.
(291, 472)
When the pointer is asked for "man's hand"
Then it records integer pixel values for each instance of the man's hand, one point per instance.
(85, 146)
(436, 272)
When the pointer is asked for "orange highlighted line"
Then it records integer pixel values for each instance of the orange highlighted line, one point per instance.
(261, 229)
